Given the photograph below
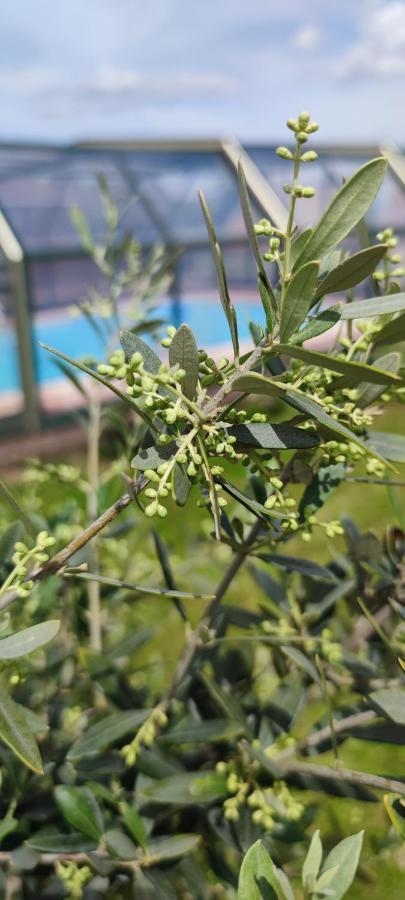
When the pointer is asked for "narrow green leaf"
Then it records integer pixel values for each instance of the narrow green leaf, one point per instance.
(80, 808)
(325, 480)
(257, 877)
(29, 639)
(297, 564)
(107, 732)
(172, 847)
(392, 332)
(395, 806)
(352, 270)
(50, 842)
(138, 588)
(68, 372)
(100, 378)
(134, 824)
(192, 732)
(131, 344)
(389, 702)
(356, 371)
(312, 862)
(369, 393)
(298, 299)
(119, 845)
(152, 457)
(298, 245)
(302, 661)
(247, 215)
(277, 437)
(186, 789)
(345, 857)
(249, 503)
(389, 446)
(181, 485)
(316, 326)
(346, 209)
(267, 303)
(220, 273)
(15, 732)
(377, 306)
(183, 353)
(258, 384)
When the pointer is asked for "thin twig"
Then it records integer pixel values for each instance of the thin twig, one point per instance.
(364, 779)
(339, 726)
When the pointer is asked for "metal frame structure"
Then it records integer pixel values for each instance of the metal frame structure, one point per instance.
(18, 257)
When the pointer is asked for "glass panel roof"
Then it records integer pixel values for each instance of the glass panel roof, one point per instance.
(156, 189)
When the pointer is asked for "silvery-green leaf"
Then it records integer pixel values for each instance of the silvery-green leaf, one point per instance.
(183, 353)
(277, 437)
(152, 457)
(254, 383)
(369, 393)
(298, 245)
(345, 858)
(100, 378)
(298, 299)
(106, 732)
(390, 702)
(131, 344)
(312, 861)
(392, 332)
(257, 877)
(28, 640)
(390, 446)
(181, 485)
(316, 326)
(15, 732)
(377, 306)
(171, 847)
(352, 270)
(358, 372)
(345, 211)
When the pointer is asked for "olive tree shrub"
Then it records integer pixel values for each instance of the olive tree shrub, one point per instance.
(158, 789)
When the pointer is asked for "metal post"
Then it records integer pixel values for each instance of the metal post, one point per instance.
(14, 254)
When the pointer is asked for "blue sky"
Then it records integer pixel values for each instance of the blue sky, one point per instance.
(153, 68)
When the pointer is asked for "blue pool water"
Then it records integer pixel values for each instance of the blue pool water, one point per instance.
(78, 339)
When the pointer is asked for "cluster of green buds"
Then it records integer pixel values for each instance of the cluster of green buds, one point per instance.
(157, 388)
(272, 803)
(145, 736)
(302, 129)
(74, 878)
(22, 557)
(332, 529)
(346, 452)
(392, 268)
(330, 650)
(267, 805)
(286, 632)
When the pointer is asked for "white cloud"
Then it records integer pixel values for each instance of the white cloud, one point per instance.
(308, 37)
(380, 50)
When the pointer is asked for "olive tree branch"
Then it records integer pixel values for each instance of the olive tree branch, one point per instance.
(209, 409)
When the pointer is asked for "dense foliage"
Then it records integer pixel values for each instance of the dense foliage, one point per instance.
(158, 736)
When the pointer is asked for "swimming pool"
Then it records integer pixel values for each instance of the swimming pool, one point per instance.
(77, 338)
